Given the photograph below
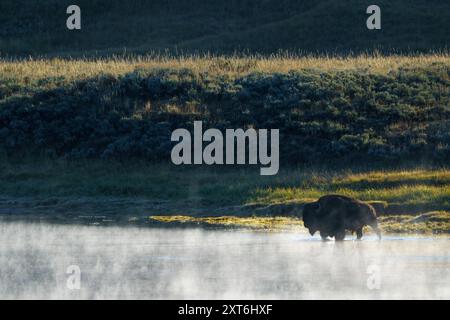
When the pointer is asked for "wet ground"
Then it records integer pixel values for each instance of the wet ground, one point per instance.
(42, 260)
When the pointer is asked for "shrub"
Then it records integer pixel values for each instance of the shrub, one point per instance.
(325, 115)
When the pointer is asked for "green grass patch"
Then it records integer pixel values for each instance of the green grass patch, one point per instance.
(424, 188)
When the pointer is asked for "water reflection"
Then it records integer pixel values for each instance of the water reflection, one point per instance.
(153, 263)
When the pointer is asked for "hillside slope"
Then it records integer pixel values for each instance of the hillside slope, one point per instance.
(329, 114)
(113, 26)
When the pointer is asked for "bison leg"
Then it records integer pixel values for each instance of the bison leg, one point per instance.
(374, 226)
(359, 234)
(324, 235)
(340, 235)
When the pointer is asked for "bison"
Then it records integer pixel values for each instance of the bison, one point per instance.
(331, 215)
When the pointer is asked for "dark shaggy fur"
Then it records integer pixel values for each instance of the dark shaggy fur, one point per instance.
(331, 215)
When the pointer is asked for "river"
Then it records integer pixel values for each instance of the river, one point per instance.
(57, 261)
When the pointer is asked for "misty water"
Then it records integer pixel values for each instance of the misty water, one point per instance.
(159, 263)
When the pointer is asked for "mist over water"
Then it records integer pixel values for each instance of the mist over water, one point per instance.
(152, 263)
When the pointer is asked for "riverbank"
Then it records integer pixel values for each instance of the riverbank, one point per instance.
(409, 199)
(434, 222)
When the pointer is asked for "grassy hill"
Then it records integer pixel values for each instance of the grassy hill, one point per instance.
(113, 26)
(374, 108)
(91, 133)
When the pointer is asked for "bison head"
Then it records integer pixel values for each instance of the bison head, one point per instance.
(310, 217)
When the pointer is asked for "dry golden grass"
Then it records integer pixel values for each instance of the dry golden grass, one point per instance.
(72, 69)
(437, 222)
(255, 223)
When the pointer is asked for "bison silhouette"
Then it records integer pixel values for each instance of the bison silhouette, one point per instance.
(332, 215)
